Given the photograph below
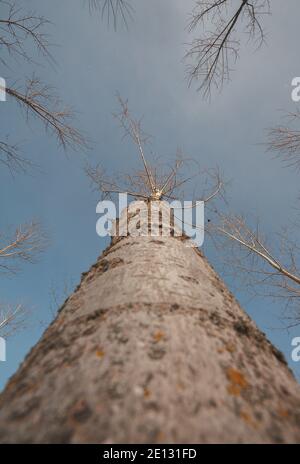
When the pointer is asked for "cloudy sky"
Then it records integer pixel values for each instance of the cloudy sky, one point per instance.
(144, 64)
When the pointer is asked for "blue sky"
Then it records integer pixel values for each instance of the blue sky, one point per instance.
(144, 64)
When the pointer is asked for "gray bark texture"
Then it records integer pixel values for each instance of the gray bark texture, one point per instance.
(151, 348)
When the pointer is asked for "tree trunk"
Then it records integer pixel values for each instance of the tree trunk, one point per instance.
(151, 348)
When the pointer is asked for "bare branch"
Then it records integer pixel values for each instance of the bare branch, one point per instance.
(212, 54)
(217, 188)
(108, 186)
(25, 244)
(250, 258)
(285, 142)
(11, 158)
(16, 27)
(112, 10)
(12, 319)
(40, 101)
(236, 229)
(132, 127)
(157, 181)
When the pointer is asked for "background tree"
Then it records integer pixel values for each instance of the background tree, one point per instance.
(216, 48)
(269, 264)
(265, 266)
(23, 245)
(18, 29)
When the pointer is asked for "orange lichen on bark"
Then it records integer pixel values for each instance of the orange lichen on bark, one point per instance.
(100, 353)
(147, 392)
(237, 381)
(282, 412)
(158, 336)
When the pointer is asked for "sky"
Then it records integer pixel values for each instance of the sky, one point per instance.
(144, 63)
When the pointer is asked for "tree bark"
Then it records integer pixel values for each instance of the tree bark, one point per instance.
(151, 348)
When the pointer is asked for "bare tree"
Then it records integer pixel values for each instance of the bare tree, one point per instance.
(264, 266)
(20, 29)
(211, 55)
(161, 352)
(248, 253)
(23, 245)
(17, 29)
(218, 24)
